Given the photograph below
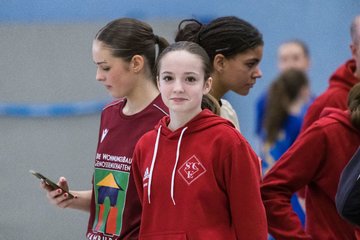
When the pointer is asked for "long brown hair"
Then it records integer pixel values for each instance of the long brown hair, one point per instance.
(354, 105)
(282, 93)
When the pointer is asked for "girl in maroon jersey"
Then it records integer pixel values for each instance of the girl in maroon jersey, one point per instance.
(124, 52)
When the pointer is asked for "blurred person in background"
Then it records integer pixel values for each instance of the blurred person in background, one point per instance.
(281, 108)
(341, 81)
(291, 54)
(287, 102)
(316, 160)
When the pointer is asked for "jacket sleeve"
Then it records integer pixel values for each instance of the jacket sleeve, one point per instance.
(348, 194)
(242, 182)
(293, 171)
(136, 173)
(351, 208)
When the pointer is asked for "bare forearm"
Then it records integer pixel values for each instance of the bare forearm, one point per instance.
(82, 200)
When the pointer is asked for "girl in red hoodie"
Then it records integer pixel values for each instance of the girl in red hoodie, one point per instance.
(315, 160)
(196, 175)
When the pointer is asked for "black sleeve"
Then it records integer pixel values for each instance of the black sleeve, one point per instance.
(348, 193)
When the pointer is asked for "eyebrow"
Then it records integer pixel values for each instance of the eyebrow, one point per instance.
(98, 63)
(166, 72)
(253, 60)
(186, 73)
(192, 73)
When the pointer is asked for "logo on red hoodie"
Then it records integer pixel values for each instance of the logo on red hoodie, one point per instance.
(191, 170)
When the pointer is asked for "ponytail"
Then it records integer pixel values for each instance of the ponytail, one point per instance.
(161, 42)
(354, 105)
(209, 102)
(284, 90)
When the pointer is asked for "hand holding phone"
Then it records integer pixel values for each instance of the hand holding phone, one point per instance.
(50, 183)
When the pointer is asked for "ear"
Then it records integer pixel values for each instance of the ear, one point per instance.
(158, 82)
(219, 62)
(207, 86)
(137, 63)
(353, 49)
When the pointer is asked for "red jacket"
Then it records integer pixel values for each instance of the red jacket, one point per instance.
(315, 160)
(340, 83)
(215, 192)
(335, 95)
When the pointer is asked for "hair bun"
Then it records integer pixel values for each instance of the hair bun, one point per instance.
(156, 38)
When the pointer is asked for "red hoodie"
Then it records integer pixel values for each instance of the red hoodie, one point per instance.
(335, 95)
(201, 181)
(315, 160)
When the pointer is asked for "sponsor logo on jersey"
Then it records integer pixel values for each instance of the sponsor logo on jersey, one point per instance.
(104, 133)
(110, 195)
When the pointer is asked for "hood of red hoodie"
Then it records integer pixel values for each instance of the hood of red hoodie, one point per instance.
(344, 76)
(339, 115)
(204, 120)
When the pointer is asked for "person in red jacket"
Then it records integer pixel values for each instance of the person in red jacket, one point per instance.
(196, 175)
(341, 81)
(315, 160)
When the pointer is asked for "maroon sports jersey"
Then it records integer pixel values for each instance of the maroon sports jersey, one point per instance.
(111, 215)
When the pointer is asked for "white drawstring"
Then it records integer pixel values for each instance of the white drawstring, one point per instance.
(176, 162)
(153, 162)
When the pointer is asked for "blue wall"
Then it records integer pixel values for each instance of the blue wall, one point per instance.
(323, 24)
(46, 58)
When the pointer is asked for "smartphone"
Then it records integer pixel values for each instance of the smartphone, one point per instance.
(49, 182)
